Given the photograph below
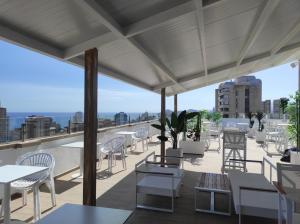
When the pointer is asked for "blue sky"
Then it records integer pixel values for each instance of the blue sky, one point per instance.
(30, 82)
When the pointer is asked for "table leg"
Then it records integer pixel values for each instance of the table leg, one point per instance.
(81, 161)
(6, 203)
(212, 201)
(80, 174)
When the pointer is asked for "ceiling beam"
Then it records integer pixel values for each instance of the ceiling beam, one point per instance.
(287, 37)
(89, 44)
(105, 70)
(201, 31)
(139, 27)
(258, 25)
(286, 52)
(113, 26)
(159, 19)
(24, 40)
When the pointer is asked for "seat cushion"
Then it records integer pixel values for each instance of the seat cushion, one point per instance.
(263, 204)
(178, 173)
(158, 185)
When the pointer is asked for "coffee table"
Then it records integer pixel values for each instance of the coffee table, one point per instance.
(213, 183)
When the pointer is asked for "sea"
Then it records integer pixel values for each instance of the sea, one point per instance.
(16, 119)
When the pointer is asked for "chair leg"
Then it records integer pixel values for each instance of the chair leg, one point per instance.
(36, 202)
(147, 144)
(24, 198)
(100, 161)
(52, 191)
(1, 210)
(124, 161)
(143, 145)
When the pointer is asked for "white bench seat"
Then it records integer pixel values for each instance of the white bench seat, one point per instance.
(159, 185)
(254, 203)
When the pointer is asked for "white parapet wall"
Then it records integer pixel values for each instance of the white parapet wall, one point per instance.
(66, 158)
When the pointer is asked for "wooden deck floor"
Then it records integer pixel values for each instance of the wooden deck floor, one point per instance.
(118, 191)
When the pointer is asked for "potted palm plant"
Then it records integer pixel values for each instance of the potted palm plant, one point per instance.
(194, 144)
(251, 131)
(260, 135)
(283, 106)
(174, 126)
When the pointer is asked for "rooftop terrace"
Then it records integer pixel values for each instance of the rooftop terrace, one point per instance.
(118, 190)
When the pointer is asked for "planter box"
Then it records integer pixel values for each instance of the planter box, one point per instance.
(174, 152)
(193, 147)
(251, 133)
(260, 137)
(295, 158)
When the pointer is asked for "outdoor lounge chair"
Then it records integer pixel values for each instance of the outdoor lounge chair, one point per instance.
(288, 176)
(253, 194)
(153, 179)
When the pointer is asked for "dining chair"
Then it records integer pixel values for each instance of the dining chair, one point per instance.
(141, 134)
(33, 182)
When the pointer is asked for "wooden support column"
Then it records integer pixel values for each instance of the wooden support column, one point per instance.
(175, 104)
(163, 123)
(90, 126)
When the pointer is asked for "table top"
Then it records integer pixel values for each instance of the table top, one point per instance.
(11, 173)
(242, 123)
(213, 181)
(283, 124)
(79, 144)
(126, 132)
(81, 214)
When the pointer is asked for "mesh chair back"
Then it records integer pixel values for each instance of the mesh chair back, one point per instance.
(288, 175)
(41, 159)
(142, 132)
(115, 144)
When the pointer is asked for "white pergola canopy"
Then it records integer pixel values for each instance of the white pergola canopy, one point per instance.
(177, 44)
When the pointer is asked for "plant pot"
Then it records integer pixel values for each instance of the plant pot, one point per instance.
(260, 137)
(174, 152)
(295, 158)
(193, 147)
(251, 133)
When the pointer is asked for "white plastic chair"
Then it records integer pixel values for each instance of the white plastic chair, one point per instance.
(33, 182)
(111, 148)
(141, 134)
(234, 147)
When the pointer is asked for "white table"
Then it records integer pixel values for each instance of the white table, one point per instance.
(78, 145)
(9, 174)
(243, 126)
(81, 214)
(283, 124)
(127, 134)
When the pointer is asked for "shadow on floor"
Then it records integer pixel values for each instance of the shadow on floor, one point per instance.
(193, 159)
(61, 186)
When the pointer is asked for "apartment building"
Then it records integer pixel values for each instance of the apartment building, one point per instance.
(237, 98)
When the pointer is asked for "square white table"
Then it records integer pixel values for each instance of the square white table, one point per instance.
(9, 174)
(79, 145)
(81, 214)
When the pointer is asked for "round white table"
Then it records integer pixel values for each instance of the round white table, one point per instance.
(78, 145)
(127, 134)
